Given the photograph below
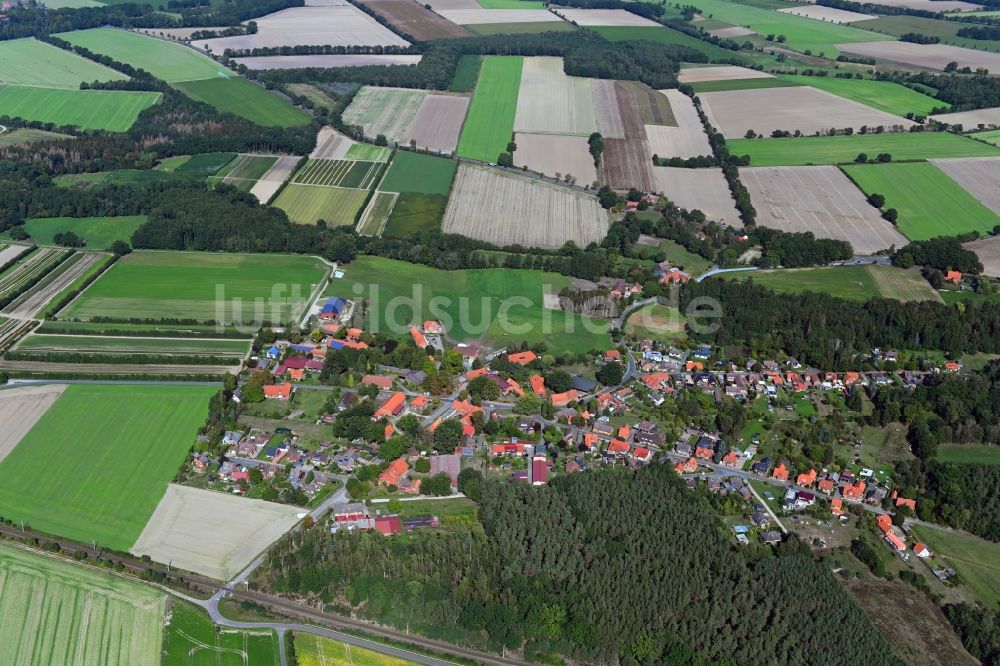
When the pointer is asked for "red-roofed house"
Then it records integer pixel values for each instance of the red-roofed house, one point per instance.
(827, 486)
(617, 446)
(277, 391)
(851, 378)
(612, 355)
(433, 328)
(952, 366)
(388, 525)
(394, 473)
(910, 504)
(921, 550)
(730, 459)
(419, 403)
(563, 399)
(642, 454)
(522, 358)
(806, 479)
(389, 430)
(354, 334)
(655, 380)
(507, 449)
(884, 522)
(591, 441)
(418, 338)
(624, 432)
(539, 471)
(686, 467)
(703, 453)
(953, 277)
(895, 541)
(855, 492)
(393, 406)
(837, 506)
(537, 385)
(475, 374)
(296, 375)
(384, 382)
(694, 365)
(515, 388)
(780, 472)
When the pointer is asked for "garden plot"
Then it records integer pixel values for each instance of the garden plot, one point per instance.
(330, 145)
(269, 184)
(20, 409)
(603, 17)
(803, 108)
(609, 119)
(485, 16)
(386, 111)
(339, 173)
(211, 533)
(971, 119)
(688, 139)
(827, 14)
(507, 209)
(979, 176)
(929, 56)
(411, 18)
(342, 25)
(820, 199)
(551, 102)
(553, 154)
(702, 189)
(324, 61)
(720, 73)
(438, 123)
(988, 251)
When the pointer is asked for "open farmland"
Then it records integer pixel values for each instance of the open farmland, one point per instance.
(976, 560)
(95, 345)
(882, 95)
(411, 18)
(11, 330)
(526, 28)
(324, 61)
(171, 62)
(307, 204)
(687, 138)
(25, 137)
(386, 111)
(550, 102)
(188, 285)
(339, 173)
(245, 171)
(609, 119)
(212, 533)
(438, 123)
(988, 251)
(627, 162)
(98, 232)
(473, 17)
(980, 177)
(17, 278)
(269, 184)
(853, 283)
(117, 448)
(191, 638)
(20, 409)
(553, 154)
(34, 301)
(313, 650)
(331, 145)
(702, 189)
(603, 17)
(59, 613)
(112, 111)
(376, 215)
(971, 119)
(801, 151)
(30, 62)
(830, 14)
(819, 199)
(337, 25)
(416, 172)
(720, 73)
(246, 99)
(489, 125)
(802, 108)
(930, 203)
(505, 209)
(903, 285)
(366, 152)
(929, 56)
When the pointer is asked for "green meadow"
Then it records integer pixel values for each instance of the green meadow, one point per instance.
(33, 63)
(989, 136)
(308, 204)
(976, 560)
(245, 99)
(489, 126)
(853, 283)
(664, 35)
(883, 95)
(466, 74)
(192, 639)
(111, 111)
(98, 232)
(96, 464)
(416, 172)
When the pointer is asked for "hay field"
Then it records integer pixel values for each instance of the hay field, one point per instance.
(111, 111)
(802, 108)
(57, 613)
(829, 14)
(20, 409)
(366, 152)
(702, 189)
(687, 139)
(491, 16)
(182, 348)
(324, 61)
(95, 465)
(971, 119)
(553, 153)
(341, 25)
(732, 32)
(33, 63)
(411, 18)
(980, 177)
(934, 5)
(438, 123)
(609, 119)
(245, 99)
(417, 172)
(212, 533)
(930, 203)
(313, 650)
(244, 172)
(603, 17)
(819, 199)
(988, 251)
(550, 102)
(506, 209)
(930, 56)
(307, 204)
(489, 124)
(269, 184)
(386, 111)
(903, 285)
(720, 73)
(98, 232)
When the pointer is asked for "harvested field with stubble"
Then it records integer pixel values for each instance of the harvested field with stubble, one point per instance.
(702, 189)
(988, 251)
(979, 176)
(438, 123)
(488, 16)
(609, 119)
(929, 56)
(971, 119)
(802, 108)
(687, 139)
(412, 18)
(603, 17)
(331, 145)
(820, 199)
(627, 163)
(324, 61)
(506, 209)
(553, 153)
(20, 409)
(269, 184)
(720, 73)
(903, 285)
(388, 111)
(212, 533)
(828, 14)
(550, 102)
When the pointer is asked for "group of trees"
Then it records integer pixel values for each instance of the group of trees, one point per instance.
(943, 253)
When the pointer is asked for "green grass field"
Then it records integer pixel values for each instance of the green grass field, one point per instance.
(307, 204)
(245, 99)
(415, 212)
(853, 283)
(372, 223)
(740, 84)
(192, 639)
(112, 111)
(96, 464)
(368, 153)
(657, 322)
(485, 292)
(946, 31)
(883, 95)
(664, 35)
(533, 28)
(58, 613)
(313, 650)
(990, 136)
(466, 74)
(969, 455)
(130, 177)
(185, 285)
(98, 232)
(930, 203)
(33, 63)
(489, 126)
(976, 560)
(28, 136)
(96, 344)
(243, 172)
(416, 172)
(844, 149)
(171, 62)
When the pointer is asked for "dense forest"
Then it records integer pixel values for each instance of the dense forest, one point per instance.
(602, 567)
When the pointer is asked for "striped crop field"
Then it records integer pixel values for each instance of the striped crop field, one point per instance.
(96, 344)
(17, 277)
(58, 613)
(339, 173)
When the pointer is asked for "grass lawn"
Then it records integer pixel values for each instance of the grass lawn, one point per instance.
(112, 111)
(415, 212)
(883, 95)
(96, 464)
(853, 283)
(489, 126)
(191, 638)
(58, 613)
(532, 28)
(469, 303)
(33, 63)
(98, 232)
(741, 84)
(843, 149)
(970, 455)
(307, 204)
(466, 74)
(416, 172)
(186, 285)
(442, 508)
(664, 35)
(929, 202)
(312, 650)
(678, 256)
(990, 136)
(245, 99)
(976, 560)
